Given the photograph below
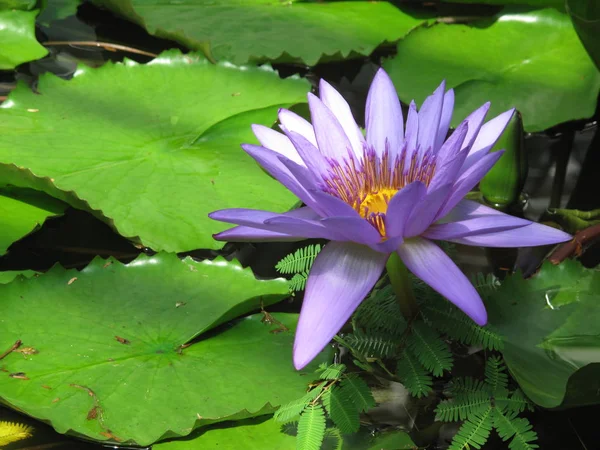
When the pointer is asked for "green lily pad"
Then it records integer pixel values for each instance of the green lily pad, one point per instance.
(558, 4)
(262, 433)
(22, 211)
(17, 34)
(251, 434)
(112, 361)
(10, 275)
(585, 15)
(242, 31)
(531, 60)
(23, 5)
(550, 324)
(151, 148)
(57, 9)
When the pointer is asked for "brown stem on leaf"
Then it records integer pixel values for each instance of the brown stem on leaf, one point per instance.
(575, 246)
(105, 45)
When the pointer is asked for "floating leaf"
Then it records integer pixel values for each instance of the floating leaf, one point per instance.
(21, 211)
(153, 147)
(270, 29)
(260, 433)
(585, 15)
(118, 339)
(502, 60)
(550, 328)
(17, 34)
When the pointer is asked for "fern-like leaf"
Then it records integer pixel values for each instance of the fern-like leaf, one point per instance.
(332, 371)
(519, 429)
(429, 348)
(465, 385)
(298, 282)
(299, 261)
(380, 312)
(485, 284)
(292, 410)
(474, 432)
(342, 410)
(311, 428)
(372, 345)
(358, 391)
(462, 406)
(413, 375)
(450, 320)
(495, 375)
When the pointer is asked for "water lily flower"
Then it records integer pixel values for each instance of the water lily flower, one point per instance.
(396, 189)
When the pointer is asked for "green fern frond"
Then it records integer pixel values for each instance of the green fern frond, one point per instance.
(298, 282)
(519, 429)
(485, 284)
(331, 372)
(292, 410)
(342, 410)
(299, 261)
(429, 348)
(474, 432)
(372, 345)
(413, 375)
(515, 402)
(465, 385)
(462, 406)
(358, 391)
(495, 376)
(311, 428)
(333, 439)
(450, 320)
(380, 313)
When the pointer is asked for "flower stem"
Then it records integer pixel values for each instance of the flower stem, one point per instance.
(401, 284)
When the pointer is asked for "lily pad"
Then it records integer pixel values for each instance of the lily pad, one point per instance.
(251, 434)
(22, 211)
(17, 34)
(154, 147)
(502, 60)
(112, 359)
(585, 15)
(550, 324)
(10, 275)
(244, 31)
(57, 9)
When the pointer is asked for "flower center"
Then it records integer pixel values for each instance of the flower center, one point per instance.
(368, 185)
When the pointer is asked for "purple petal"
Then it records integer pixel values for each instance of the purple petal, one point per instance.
(468, 209)
(310, 155)
(425, 212)
(264, 220)
(354, 229)
(469, 180)
(445, 119)
(340, 278)
(276, 165)
(333, 206)
(429, 118)
(293, 122)
(475, 226)
(428, 262)
(528, 236)
(340, 108)
(412, 130)
(277, 142)
(450, 158)
(383, 115)
(475, 120)
(332, 140)
(248, 234)
(487, 137)
(401, 206)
